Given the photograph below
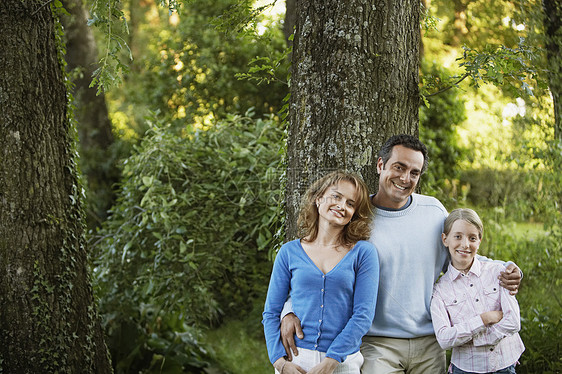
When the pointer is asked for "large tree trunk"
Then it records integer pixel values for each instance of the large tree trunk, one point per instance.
(98, 162)
(553, 31)
(48, 321)
(354, 83)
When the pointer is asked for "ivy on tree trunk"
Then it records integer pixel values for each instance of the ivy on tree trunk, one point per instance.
(48, 321)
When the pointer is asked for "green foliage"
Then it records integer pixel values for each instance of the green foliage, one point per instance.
(188, 239)
(265, 69)
(248, 357)
(188, 70)
(510, 68)
(523, 196)
(428, 21)
(241, 17)
(438, 122)
(108, 16)
(478, 22)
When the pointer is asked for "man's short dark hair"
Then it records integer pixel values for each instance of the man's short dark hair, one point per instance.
(407, 141)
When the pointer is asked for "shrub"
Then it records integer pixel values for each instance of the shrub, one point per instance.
(523, 195)
(438, 129)
(189, 236)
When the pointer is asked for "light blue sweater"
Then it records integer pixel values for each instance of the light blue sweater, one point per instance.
(335, 309)
(411, 258)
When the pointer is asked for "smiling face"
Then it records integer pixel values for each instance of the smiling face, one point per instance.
(462, 241)
(398, 177)
(337, 205)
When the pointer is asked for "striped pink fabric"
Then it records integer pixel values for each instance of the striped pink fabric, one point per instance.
(458, 300)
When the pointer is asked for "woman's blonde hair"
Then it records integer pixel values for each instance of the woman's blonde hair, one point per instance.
(358, 227)
(467, 215)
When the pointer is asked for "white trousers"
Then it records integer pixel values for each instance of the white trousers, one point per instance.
(307, 359)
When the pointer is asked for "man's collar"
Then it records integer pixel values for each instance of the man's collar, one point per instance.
(407, 204)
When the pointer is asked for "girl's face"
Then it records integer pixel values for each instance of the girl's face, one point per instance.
(337, 205)
(462, 241)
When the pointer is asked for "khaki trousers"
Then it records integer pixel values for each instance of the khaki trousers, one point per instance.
(412, 356)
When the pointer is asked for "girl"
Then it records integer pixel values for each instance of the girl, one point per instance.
(470, 311)
(331, 274)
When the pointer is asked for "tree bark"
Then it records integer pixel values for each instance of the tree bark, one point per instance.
(97, 162)
(354, 83)
(553, 30)
(48, 321)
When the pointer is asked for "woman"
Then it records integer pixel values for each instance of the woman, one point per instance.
(331, 275)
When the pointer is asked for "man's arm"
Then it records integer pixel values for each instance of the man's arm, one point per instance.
(510, 278)
(290, 326)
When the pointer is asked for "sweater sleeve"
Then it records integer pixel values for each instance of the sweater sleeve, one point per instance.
(364, 303)
(504, 263)
(279, 285)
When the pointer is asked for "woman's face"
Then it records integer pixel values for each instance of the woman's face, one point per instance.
(337, 205)
(462, 241)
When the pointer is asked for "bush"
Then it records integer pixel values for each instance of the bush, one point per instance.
(188, 239)
(438, 130)
(523, 195)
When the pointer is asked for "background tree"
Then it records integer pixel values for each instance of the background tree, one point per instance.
(354, 83)
(553, 30)
(48, 320)
(289, 21)
(95, 131)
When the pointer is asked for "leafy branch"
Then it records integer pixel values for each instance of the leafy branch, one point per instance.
(264, 69)
(104, 14)
(512, 69)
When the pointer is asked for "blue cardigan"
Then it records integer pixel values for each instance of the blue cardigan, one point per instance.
(335, 309)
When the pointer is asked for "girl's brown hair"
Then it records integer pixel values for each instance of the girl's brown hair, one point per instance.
(467, 215)
(358, 227)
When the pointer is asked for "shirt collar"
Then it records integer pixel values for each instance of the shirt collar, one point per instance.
(475, 269)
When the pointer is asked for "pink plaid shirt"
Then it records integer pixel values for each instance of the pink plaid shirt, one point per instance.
(458, 300)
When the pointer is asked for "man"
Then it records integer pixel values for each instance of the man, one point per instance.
(406, 231)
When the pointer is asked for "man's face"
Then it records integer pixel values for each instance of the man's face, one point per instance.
(398, 177)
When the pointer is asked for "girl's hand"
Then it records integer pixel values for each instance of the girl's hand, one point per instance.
(327, 366)
(489, 318)
(287, 367)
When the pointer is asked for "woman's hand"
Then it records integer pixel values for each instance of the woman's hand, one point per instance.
(327, 366)
(489, 318)
(287, 367)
